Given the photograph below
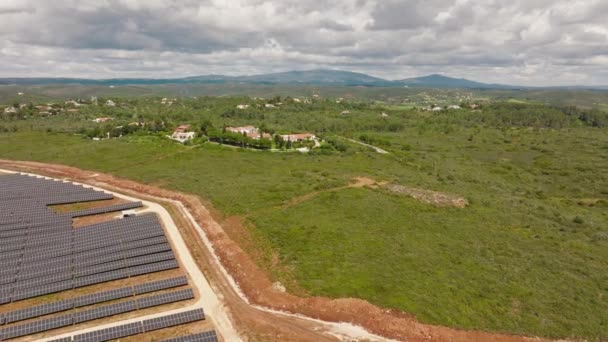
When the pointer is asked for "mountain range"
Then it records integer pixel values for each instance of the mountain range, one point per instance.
(309, 77)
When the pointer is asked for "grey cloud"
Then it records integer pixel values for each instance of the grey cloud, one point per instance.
(488, 40)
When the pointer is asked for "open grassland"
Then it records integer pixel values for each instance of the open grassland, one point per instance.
(529, 255)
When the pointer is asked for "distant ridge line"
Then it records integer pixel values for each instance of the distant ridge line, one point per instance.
(319, 77)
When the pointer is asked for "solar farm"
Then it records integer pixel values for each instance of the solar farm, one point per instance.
(56, 280)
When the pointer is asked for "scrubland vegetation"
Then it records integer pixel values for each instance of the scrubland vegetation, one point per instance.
(528, 255)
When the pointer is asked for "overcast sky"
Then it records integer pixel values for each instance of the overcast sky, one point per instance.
(524, 42)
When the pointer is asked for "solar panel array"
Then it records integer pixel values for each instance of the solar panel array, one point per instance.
(135, 328)
(173, 320)
(207, 336)
(100, 312)
(40, 252)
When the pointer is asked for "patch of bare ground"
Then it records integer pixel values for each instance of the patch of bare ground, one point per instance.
(438, 199)
(65, 208)
(79, 222)
(255, 324)
(356, 182)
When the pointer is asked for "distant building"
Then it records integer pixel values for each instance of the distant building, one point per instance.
(384, 115)
(182, 133)
(11, 109)
(298, 137)
(345, 112)
(243, 129)
(269, 105)
(250, 131)
(258, 136)
(110, 103)
(242, 106)
(74, 103)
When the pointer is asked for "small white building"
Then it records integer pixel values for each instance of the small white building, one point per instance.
(182, 134)
(242, 129)
(9, 110)
(242, 106)
(110, 103)
(298, 137)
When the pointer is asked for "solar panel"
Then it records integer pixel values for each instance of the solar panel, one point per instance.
(103, 296)
(110, 333)
(38, 310)
(174, 319)
(151, 268)
(42, 290)
(207, 336)
(160, 285)
(164, 298)
(104, 311)
(40, 252)
(35, 327)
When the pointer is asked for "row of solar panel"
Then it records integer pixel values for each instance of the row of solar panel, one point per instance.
(27, 231)
(95, 313)
(95, 298)
(14, 271)
(20, 294)
(67, 245)
(36, 274)
(130, 329)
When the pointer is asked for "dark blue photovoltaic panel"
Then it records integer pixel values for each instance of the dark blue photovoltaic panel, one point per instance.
(35, 327)
(160, 285)
(164, 298)
(39, 310)
(104, 311)
(174, 319)
(103, 296)
(41, 253)
(109, 334)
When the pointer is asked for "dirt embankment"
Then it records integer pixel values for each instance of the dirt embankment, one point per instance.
(258, 287)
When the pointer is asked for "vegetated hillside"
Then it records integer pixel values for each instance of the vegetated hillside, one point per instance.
(404, 97)
(440, 81)
(321, 77)
(536, 178)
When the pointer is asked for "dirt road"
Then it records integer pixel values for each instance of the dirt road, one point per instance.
(377, 149)
(253, 302)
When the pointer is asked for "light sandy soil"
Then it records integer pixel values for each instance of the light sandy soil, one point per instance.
(375, 148)
(357, 182)
(261, 312)
(438, 199)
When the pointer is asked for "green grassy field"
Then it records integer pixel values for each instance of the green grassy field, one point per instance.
(529, 255)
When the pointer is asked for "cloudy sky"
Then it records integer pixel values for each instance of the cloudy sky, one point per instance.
(527, 42)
